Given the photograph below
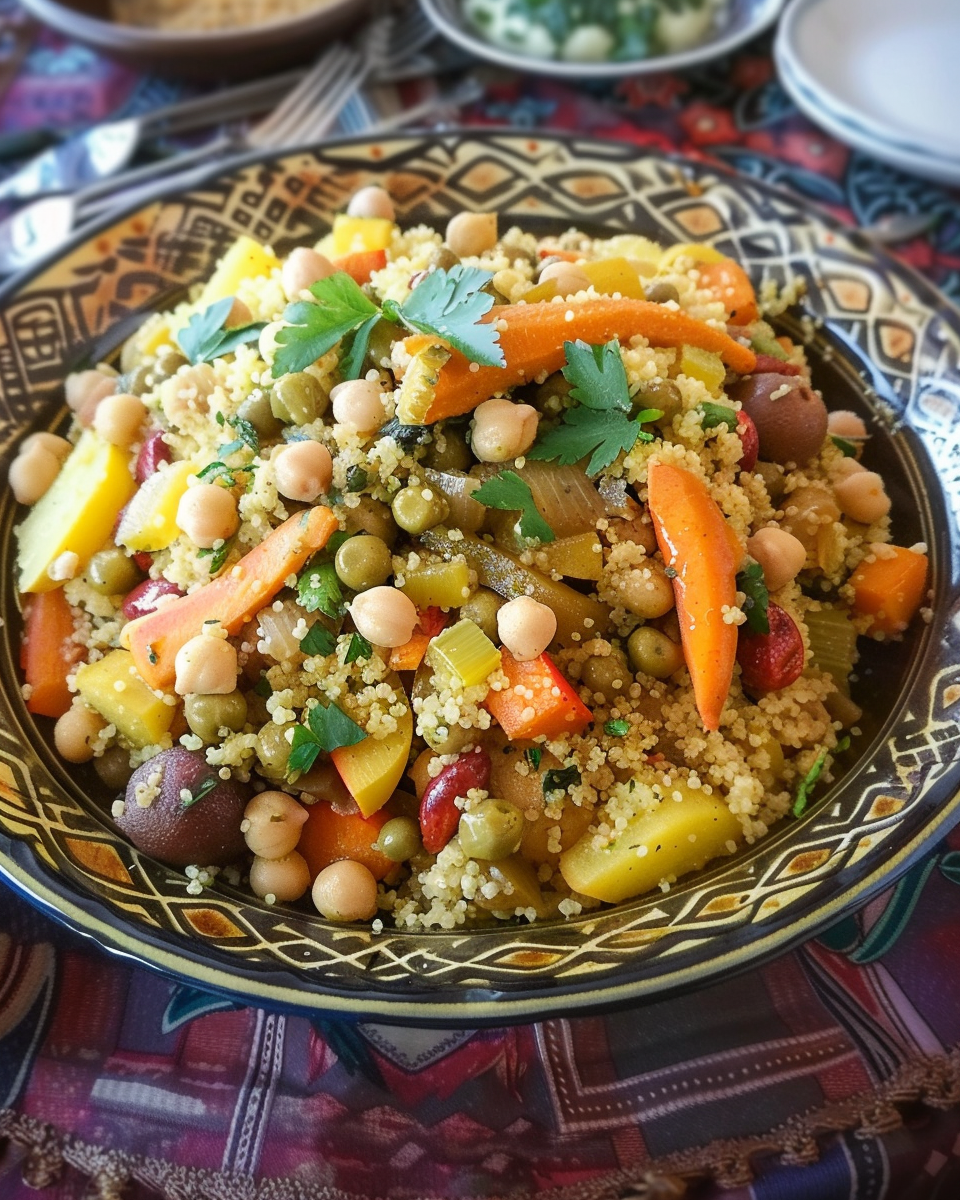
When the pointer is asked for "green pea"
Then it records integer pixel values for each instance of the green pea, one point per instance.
(399, 839)
(258, 411)
(417, 509)
(371, 516)
(608, 676)
(207, 715)
(273, 751)
(363, 562)
(449, 451)
(491, 831)
(167, 363)
(443, 258)
(653, 653)
(379, 348)
(137, 382)
(112, 573)
(298, 399)
(482, 609)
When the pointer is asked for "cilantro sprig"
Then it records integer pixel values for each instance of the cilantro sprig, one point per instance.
(507, 491)
(449, 304)
(204, 337)
(600, 425)
(751, 582)
(328, 728)
(318, 640)
(318, 585)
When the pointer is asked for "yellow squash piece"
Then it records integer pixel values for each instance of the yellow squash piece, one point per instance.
(150, 522)
(703, 365)
(371, 769)
(694, 250)
(577, 557)
(419, 383)
(446, 585)
(677, 837)
(354, 234)
(112, 686)
(610, 275)
(246, 259)
(78, 512)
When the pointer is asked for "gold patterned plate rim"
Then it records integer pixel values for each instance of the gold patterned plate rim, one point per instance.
(884, 340)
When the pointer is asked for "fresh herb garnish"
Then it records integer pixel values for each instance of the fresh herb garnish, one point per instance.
(328, 728)
(507, 491)
(560, 780)
(318, 640)
(407, 436)
(616, 728)
(219, 470)
(534, 755)
(318, 589)
(806, 785)
(846, 448)
(750, 581)
(451, 304)
(205, 788)
(715, 415)
(263, 687)
(359, 648)
(313, 329)
(217, 555)
(600, 425)
(357, 479)
(204, 337)
(246, 434)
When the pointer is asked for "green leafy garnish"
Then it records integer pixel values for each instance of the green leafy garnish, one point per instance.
(205, 788)
(313, 329)
(246, 434)
(750, 581)
(807, 783)
(534, 755)
(560, 780)
(507, 491)
(217, 555)
(359, 648)
(600, 425)
(355, 349)
(328, 728)
(406, 436)
(263, 687)
(219, 470)
(318, 640)
(357, 479)
(318, 589)
(451, 304)
(204, 337)
(616, 728)
(718, 414)
(846, 448)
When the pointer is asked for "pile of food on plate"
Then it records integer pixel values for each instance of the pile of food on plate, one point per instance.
(196, 16)
(449, 577)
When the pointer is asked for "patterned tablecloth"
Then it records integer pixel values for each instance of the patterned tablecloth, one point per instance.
(830, 1073)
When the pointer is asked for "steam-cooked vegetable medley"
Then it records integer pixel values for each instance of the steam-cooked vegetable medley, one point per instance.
(454, 576)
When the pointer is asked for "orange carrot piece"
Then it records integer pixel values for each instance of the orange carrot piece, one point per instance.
(532, 338)
(410, 655)
(361, 264)
(890, 589)
(697, 543)
(730, 283)
(48, 652)
(233, 598)
(328, 836)
(554, 708)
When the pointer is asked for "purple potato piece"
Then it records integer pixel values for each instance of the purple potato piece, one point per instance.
(206, 832)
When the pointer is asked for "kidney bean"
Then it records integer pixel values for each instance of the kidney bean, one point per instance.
(771, 661)
(153, 452)
(767, 364)
(145, 597)
(439, 815)
(750, 440)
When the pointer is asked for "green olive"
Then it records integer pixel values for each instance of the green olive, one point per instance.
(257, 410)
(112, 573)
(653, 653)
(379, 348)
(417, 509)
(113, 768)
(449, 450)
(371, 516)
(448, 739)
(482, 609)
(608, 676)
(298, 399)
(207, 715)
(363, 562)
(491, 831)
(661, 292)
(664, 395)
(399, 839)
(273, 751)
(774, 479)
(136, 382)
(167, 363)
(443, 258)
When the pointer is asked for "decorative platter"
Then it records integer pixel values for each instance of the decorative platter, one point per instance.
(881, 341)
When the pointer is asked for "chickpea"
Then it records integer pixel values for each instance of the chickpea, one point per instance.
(636, 526)
(239, 315)
(84, 390)
(371, 516)
(303, 268)
(345, 891)
(863, 497)
(470, 234)
(779, 553)
(118, 419)
(358, 405)
(272, 823)
(399, 839)
(568, 278)
(416, 509)
(207, 665)
(32, 474)
(75, 732)
(284, 878)
(363, 562)
(372, 202)
(843, 423)
(807, 511)
(646, 591)
(303, 470)
(482, 609)
(207, 715)
(58, 446)
(502, 430)
(526, 627)
(844, 468)
(608, 675)
(207, 514)
(384, 616)
(653, 653)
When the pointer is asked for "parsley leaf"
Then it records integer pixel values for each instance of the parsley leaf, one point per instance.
(263, 687)
(246, 434)
(219, 470)
(559, 781)
(318, 640)
(806, 785)
(314, 328)
(318, 590)
(357, 479)
(507, 491)
(597, 374)
(750, 581)
(450, 304)
(359, 648)
(217, 556)
(204, 337)
(351, 364)
(205, 788)
(328, 728)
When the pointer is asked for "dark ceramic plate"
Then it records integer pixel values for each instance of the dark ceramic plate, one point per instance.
(883, 342)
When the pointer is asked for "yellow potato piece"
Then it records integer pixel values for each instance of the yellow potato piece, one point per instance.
(677, 837)
(609, 275)
(78, 512)
(150, 522)
(446, 585)
(695, 250)
(354, 234)
(372, 769)
(577, 557)
(112, 686)
(705, 366)
(246, 259)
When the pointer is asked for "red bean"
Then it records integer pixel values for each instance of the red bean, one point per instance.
(145, 597)
(750, 440)
(774, 660)
(153, 452)
(767, 364)
(439, 815)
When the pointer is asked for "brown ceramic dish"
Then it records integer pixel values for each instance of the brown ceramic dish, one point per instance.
(882, 341)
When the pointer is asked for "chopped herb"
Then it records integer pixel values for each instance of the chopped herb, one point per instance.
(318, 589)
(750, 581)
(152, 655)
(847, 449)
(534, 756)
(359, 648)
(600, 425)
(205, 788)
(245, 432)
(616, 728)
(407, 436)
(219, 418)
(715, 415)
(809, 780)
(451, 304)
(318, 640)
(559, 781)
(670, 572)
(312, 329)
(205, 338)
(263, 687)
(217, 556)
(215, 471)
(357, 479)
(507, 491)
(328, 728)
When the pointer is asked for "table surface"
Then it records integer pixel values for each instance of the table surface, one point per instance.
(829, 1072)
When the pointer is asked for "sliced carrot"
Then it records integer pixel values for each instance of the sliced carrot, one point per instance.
(361, 264)
(532, 338)
(890, 588)
(232, 599)
(48, 653)
(328, 836)
(730, 283)
(410, 655)
(537, 700)
(697, 543)
(555, 252)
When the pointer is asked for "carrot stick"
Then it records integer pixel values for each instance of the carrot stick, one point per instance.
(730, 283)
(48, 653)
(532, 338)
(232, 599)
(890, 588)
(697, 543)
(361, 264)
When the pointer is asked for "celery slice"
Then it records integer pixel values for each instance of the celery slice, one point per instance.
(833, 643)
(464, 651)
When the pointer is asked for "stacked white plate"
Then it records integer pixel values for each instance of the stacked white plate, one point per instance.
(879, 75)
